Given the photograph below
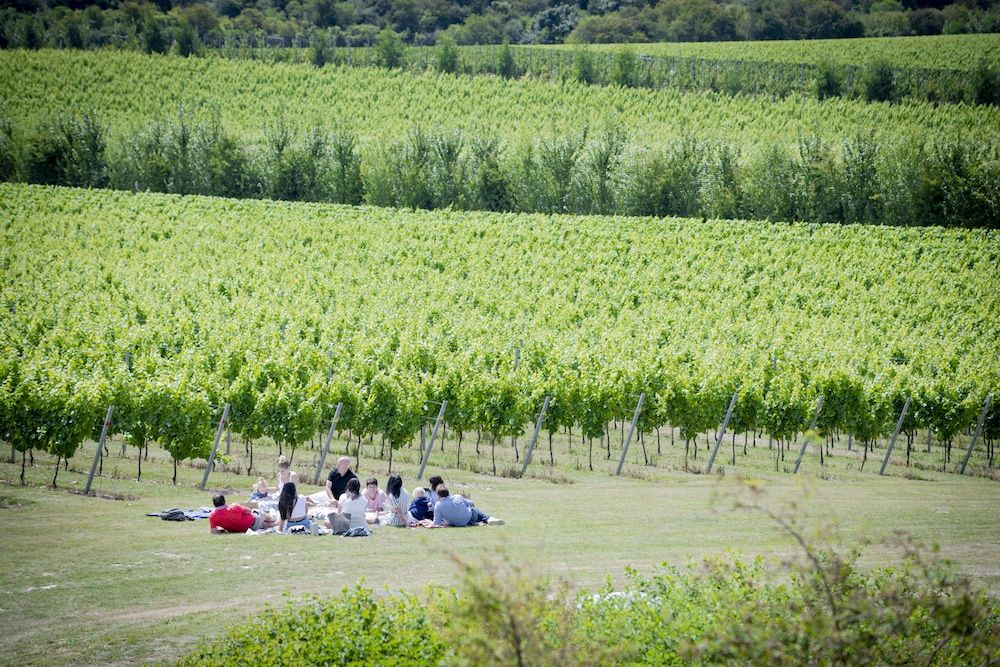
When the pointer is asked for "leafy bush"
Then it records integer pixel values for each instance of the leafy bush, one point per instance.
(356, 628)
(725, 611)
(69, 151)
(880, 82)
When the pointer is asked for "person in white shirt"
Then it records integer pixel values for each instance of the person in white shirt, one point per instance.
(292, 508)
(397, 503)
(353, 503)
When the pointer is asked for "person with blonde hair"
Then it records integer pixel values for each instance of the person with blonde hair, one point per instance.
(285, 474)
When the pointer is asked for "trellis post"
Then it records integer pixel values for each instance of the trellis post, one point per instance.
(722, 431)
(430, 445)
(534, 437)
(326, 445)
(895, 434)
(631, 430)
(979, 429)
(805, 440)
(215, 446)
(100, 450)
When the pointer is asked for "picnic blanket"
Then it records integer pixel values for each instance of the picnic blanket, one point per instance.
(176, 514)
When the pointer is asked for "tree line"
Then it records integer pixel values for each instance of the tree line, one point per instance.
(910, 182)
(159, 25)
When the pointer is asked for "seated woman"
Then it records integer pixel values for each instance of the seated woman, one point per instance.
(353, 503)
(397, 503)
(374, 496)
(261, 490)
(292, 508)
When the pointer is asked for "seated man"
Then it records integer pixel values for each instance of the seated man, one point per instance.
(336, 483)
(457, 511)
(236, 518)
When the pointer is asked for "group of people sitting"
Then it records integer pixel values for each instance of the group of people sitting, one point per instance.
(343, 507)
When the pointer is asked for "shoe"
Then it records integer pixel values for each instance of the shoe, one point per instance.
(493, 521)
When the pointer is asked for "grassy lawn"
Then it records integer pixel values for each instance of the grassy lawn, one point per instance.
(93, 581)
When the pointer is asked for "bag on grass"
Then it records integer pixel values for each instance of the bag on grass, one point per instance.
(173, 514)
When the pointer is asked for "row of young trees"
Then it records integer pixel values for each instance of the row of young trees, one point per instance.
(947, 183)
(878, 81)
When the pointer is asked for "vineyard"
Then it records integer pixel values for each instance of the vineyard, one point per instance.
(283, 311)
(128, 90)
(960, 52)
(436, 141)
(646, 303)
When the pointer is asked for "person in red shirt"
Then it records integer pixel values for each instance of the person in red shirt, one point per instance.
(236, 518)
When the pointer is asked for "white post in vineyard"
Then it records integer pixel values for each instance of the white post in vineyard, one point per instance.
(100, 450)
(215, 445)
(534, 437)
(979, 429)
(430, 445)
(631, 430)
(805, 439)
(895, 434)
(326, 445)
(722, 431)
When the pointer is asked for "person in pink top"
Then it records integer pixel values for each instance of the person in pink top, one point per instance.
(374, 496)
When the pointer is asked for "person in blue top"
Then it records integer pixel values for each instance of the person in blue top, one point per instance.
(458, 511)
(420, 508)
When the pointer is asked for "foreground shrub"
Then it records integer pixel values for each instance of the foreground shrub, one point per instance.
(727, 610)
(356, 628)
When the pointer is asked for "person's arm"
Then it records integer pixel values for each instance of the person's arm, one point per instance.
(281, 525)
(438, 519)
(329, 491)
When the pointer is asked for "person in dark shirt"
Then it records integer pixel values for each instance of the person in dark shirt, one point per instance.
(336, 483)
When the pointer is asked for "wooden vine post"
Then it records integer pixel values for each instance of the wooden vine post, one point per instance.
(534, 437)
(430, 445)
(215, 446)
(631, 430)
(895, 434)
(100, 450)
(722, 431)
(326, 444)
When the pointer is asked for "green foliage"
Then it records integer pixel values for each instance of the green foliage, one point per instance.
(727, 610)
(506, 66)
(880, 82)
(184, 156)
(69, 151)
(186, 41)
(319, 48)
(389, 50)
(155, 36)
(357, 627)
(583, 66)
(408, 306)
(828, 82)
(446, 58)
(986, 82)
(624, 69)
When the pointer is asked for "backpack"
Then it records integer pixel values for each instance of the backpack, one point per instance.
(173, 514)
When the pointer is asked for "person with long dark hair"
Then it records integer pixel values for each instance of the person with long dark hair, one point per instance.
(292, 508)
(397, 503)
(353, 503)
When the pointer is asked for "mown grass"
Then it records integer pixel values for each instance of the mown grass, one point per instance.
(93, 581)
